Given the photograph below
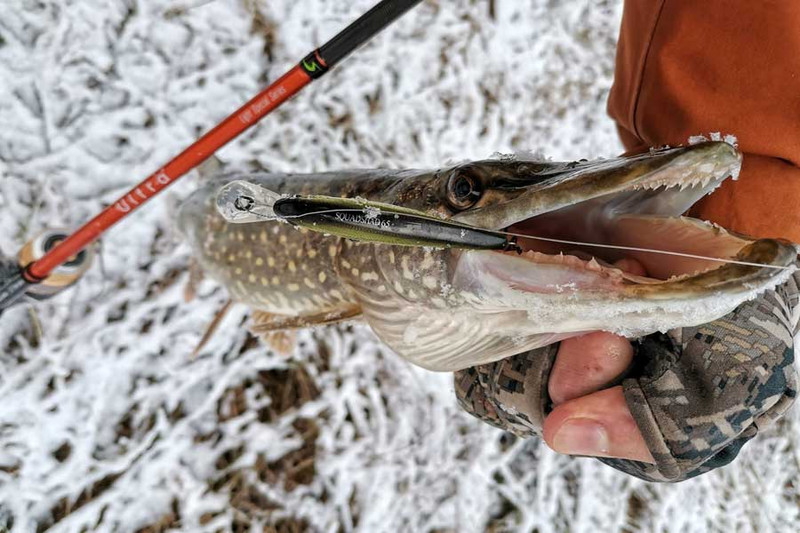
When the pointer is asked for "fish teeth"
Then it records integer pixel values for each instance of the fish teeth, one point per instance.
(681, 185)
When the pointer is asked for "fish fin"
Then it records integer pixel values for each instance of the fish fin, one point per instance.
(38, 331)
(282, 342)
(275, 330)
(262, 322)
(212, 327)
(195, 277)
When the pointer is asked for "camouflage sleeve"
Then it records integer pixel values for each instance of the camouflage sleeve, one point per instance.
(510, 394)
(698, 394)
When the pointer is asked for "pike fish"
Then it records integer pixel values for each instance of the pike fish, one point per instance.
(448, 309)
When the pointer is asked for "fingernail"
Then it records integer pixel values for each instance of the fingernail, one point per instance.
(581, 436)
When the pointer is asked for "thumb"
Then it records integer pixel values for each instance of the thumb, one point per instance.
(599, 424)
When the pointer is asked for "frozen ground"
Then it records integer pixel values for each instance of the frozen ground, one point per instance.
(106, 421)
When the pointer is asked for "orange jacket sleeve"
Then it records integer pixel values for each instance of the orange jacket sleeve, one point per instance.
(688, 67)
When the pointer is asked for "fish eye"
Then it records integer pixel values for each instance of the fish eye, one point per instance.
(463, 191)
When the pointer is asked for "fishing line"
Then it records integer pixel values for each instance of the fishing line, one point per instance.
(366, 212)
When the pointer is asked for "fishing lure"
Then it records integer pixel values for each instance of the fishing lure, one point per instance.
(355, 219)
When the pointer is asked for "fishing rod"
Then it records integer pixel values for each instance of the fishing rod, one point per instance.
(32, 274)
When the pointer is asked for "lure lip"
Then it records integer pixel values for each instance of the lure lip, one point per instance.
(242, 202)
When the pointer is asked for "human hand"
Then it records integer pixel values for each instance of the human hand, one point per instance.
(589, 419)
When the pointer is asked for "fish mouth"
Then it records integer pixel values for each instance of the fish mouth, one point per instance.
(626, 206)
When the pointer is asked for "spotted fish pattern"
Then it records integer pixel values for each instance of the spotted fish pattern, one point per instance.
(698, 394)
(273, 266)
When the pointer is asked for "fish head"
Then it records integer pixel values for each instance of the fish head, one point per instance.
(448, 309)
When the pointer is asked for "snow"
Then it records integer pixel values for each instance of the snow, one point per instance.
(108, 423)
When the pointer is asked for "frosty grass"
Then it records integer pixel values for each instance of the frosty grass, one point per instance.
(106, 421)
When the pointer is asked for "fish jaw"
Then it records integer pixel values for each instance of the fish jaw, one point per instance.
(564, 294)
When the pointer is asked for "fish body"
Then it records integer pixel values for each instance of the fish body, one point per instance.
(448, 309)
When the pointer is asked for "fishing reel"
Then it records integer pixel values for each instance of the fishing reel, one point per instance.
(62, 277)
